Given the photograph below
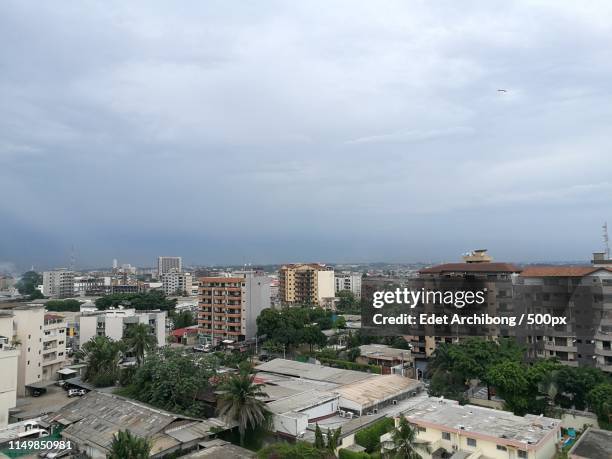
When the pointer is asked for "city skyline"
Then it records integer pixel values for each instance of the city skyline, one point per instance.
(346, 132)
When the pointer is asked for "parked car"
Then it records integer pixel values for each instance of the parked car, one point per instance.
(76, 392)
(202, 348)
(60, 383)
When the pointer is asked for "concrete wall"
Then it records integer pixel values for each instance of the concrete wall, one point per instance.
(290, 424)
(326, 287)
(256, 298)
(29, 331)
(8, 372)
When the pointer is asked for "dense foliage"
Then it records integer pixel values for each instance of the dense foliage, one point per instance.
(102, 356)
(295, 326)
(172, 381)
(369, 438)
(125, 445)
(28, 284)
(63, 305)
(154, 299)
(182, 319)
(299, 450)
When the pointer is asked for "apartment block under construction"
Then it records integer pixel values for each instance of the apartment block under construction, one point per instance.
(306, 283)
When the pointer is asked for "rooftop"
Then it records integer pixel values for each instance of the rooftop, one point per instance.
(312, 371)
(221, 449)
(593, 444)
(382, 351)
(96, 417)
(471, 268)
(376, 390)
(560, 271)
(499, 426)
(301, 401)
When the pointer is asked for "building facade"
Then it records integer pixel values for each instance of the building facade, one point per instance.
(168, 264)
(9, 355)
(350, 282)
(28, 325)
(177, 283)
(58, 284)
(54, 345)
(114, 323)
(229, 306)
(306, 283)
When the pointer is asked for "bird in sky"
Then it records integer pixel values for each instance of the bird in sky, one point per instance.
(502, 90)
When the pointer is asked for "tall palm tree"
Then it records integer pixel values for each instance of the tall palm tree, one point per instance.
(140, 341)
(240, 401)
(404, 443)
(102, 356)
(125, 445)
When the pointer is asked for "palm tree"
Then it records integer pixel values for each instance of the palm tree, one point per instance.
(140, 341)
(125, 445)
(240, 401)
(102, 356)
(404, 444)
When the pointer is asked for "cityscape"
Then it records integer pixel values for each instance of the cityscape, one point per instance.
(339, 229)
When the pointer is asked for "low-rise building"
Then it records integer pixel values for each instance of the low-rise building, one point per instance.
(113, 323)
(28, 327)
(592, 444)
(448, 429)
(391, 360)
(92, 421)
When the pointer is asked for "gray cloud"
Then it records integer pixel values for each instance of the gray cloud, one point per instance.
(324, 131)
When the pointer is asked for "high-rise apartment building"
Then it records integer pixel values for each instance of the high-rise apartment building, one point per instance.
(350, 282)
(9, 355)
(177, 283)
(229, 306)
(58, 284)
(306, 283)
(168, 264)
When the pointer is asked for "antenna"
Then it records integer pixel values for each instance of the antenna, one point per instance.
(72, 258)
(606, 240)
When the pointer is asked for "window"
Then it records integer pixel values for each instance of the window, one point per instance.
(421, 429)
(471, 442)
(445, 435)
(501, 448)
(522, 454)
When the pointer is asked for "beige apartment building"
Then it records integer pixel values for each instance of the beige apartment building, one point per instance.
(9, 355)
(470, 431)
(307, 283)
(54, 345)
(229, 306)
(28, 327)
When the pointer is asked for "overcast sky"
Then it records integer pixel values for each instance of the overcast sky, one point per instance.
(276, 131)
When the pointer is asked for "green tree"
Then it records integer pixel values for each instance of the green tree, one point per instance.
(299, 450)
(347, 302)
(319, 442)
(172, 381)
(333, 440)
(240, 401)
(128, 446)
(313, 336)
(600, 401)
(63, 305)
(140, 340)
(102, 356)
(182, 319)
(28, 284)
(353, 353)
(575, 383)
(154, 299)
(404, 443)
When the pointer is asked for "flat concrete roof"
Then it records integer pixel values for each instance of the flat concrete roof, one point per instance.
(312, 371)
(382, 351)
(376, 390)
(593, 444)
(496, 425)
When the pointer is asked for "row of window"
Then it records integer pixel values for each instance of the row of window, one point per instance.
(472, 442)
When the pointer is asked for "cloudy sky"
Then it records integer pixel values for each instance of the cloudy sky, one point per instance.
(274, 131)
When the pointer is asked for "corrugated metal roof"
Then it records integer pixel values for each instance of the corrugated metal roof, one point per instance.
(312, 371)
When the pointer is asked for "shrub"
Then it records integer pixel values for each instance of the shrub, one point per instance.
(369, 438)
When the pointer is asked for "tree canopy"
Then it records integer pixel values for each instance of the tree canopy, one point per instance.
(154, 299)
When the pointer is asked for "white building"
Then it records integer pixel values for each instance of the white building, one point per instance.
(8, 367)
(28, 325)
(168, 264)
(58, 284)
(113, 323)
(474, 431)
(54, 345)
(349, 281)
(177, 283)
